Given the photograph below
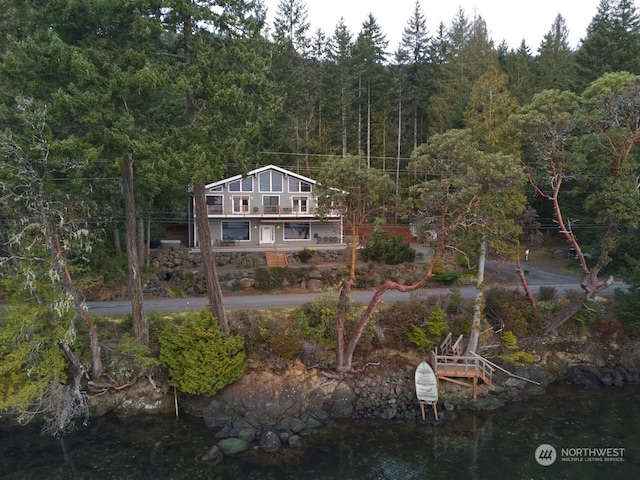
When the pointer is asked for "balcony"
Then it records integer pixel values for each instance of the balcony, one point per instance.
(263, 211)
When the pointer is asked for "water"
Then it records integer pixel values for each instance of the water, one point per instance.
(477, 445)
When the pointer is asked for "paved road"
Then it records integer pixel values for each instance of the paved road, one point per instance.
(236, 302)
(504, 274)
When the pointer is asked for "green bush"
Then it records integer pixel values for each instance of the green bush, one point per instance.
(447, 277)
(285, 337)
(513, 309)
(201, 359)
(305, 254)
(547, 294)
(130, 360)
(388, 248)
(428, 336)
(509, 340)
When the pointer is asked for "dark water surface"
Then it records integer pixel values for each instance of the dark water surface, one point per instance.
(478, 445)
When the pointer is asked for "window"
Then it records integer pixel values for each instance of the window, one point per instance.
(296, 231)
(300, 204)
(270, 181)
(240, 204)
(214, 203)
(244, 185)
(235, 230)
(296, 185)
(270, 204)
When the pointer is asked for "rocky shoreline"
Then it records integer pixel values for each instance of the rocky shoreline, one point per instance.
(275, 408)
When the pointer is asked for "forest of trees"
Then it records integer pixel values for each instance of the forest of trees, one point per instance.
(113, 112)
(228, 92)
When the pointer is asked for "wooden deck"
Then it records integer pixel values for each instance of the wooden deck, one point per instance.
(449, 364)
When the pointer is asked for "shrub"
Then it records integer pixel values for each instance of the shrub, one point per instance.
(514, 312)
(447, 277)
(514, 355)
(200, 358)
(509, 340)
(388, 248)
(130, 360)
(285, 338)
(428, 336)
(249, 260)
(547, 294)
(305, 254)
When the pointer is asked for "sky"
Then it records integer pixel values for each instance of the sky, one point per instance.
(510, 20)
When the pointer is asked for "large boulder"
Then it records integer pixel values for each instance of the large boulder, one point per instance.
(233, 446)
(269, 441)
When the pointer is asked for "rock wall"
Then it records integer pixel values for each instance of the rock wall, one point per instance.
(179, 271)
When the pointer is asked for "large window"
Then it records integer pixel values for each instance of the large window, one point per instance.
(270, 204)
(296, 185)
(235, 230)
(270, 181)
(296, 231)
(300, 204)
(214, 203)
(244, 185)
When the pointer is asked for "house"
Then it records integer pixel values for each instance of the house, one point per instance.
(266, 207)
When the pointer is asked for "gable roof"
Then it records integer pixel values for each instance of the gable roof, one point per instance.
(257, 171)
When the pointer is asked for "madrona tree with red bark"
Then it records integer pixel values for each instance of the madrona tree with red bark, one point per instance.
(464, 189)
(586, 144)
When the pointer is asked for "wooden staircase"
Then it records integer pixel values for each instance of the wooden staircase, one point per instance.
(451, 365)
(276, 259)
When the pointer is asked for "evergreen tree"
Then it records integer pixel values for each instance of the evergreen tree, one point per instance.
(518, 65)
(555, 62)
(340, 70)
(297, 84)
(369, 54)
(612, 42)
(470, 53)
(291, 25)
(221, 75)
(488, 111)
(417, 76)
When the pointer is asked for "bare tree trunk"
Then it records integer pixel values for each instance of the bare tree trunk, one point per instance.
(116, 240)
(523, 281)
(94, 343)
(375, 300)
(591, 287)
(399, 150)
(369, 124)
(343, 305)
(214, 291)
(474, 335)
(147, 245)
(360, 116)
(141, 248)
(345, 147)
(140, 323)
(565, 314)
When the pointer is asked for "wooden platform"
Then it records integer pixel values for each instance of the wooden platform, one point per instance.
(449, 364)
(276, 259)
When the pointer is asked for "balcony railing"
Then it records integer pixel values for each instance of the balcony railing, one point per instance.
(264, 211)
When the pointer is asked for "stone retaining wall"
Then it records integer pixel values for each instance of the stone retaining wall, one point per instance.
(180, 270)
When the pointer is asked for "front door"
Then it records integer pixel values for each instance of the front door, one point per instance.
(267, 234)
